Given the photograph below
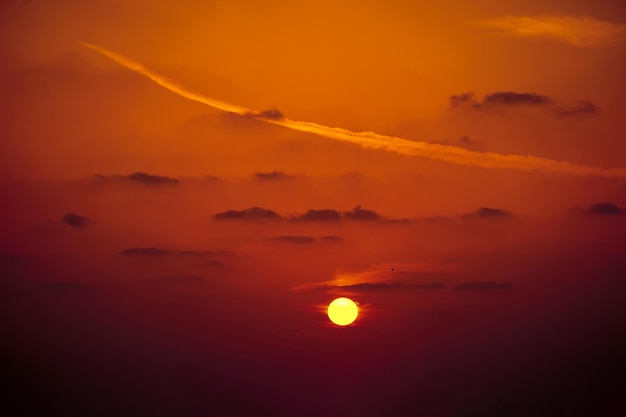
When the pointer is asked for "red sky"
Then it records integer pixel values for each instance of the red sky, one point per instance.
(159, 256)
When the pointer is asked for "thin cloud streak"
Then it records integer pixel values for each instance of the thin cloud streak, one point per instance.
(576, 30)
(371, 140)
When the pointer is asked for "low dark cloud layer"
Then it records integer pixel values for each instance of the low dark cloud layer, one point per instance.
(306, 239)
(144, 252)
(484, 286)
(583, 107)
(500, 98)
(294, 239)
(75, 220)
(252, 213)
(509, 98)
(272, 175)
(213, 263)
(358, 213)
(488, 213)
(153, 251)
(321, 215)
(140, 178)
(605, 209)
(331, 238)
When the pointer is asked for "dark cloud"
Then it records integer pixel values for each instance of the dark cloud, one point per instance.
(499, 99)
(488, 213)
(484, 286)
(273, 175)
(314, 215)
(272, 113)
(509, 98)
(141, 252)
(463, 98)
(294, 239)
(214, 263)
(75, 220)
(194, 253)
(252, 213)
(139, 178)
(358, 213)
(581, 108)
(184, 278)
(306, 239)
(331, 238)
(605, 209)
(318, 215)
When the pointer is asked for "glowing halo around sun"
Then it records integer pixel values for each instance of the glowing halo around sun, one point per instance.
(342, 311)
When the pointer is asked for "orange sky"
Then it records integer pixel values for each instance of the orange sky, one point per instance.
(142, 230)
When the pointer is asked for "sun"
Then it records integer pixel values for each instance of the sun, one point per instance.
(342, 311)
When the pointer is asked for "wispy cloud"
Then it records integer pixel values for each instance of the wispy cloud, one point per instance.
(382, 276)
(576, 30)
(371, 140)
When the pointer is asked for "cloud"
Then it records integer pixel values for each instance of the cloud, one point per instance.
(499, 99)
(583, 31)
(331, 238)
(605, 209)
(181, 278)
(75, 220)
(252, 213)
(484, 286)
(294, 239)
(583, 107)
(463, 98)
(463, 142)
(139, 178)
(195, 253)
(306, 239)
(488, 213)
(145, 252)
(273, 175)
(311, 215)
(272, 114)
(385, 286)
(322, 215)
(214, 263)
(372, 140)
(359, 213)
(508, 98)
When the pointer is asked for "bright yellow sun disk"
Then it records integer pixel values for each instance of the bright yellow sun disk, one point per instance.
(342, 311)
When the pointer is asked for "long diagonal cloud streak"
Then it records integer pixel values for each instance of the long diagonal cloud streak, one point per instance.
(371, 140)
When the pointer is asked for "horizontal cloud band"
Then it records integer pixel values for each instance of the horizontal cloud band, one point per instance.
(371, 140)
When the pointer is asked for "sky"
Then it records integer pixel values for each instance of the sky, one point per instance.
(186, 186)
